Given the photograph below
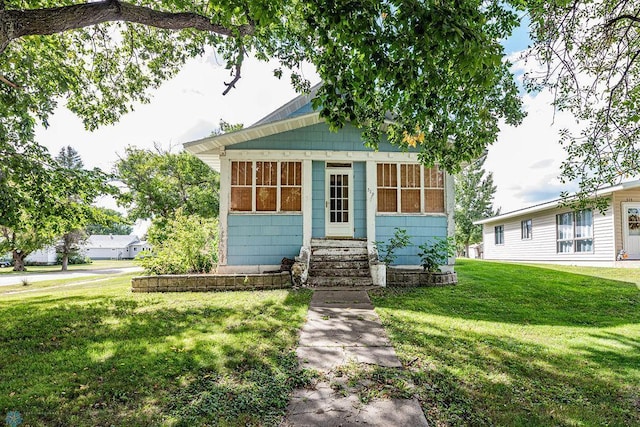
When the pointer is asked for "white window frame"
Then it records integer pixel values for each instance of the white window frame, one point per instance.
(496, 234)
(278, 186)
(573, 239)
(526, 231)
(422, 189)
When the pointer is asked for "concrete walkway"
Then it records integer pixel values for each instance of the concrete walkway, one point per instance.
(342, 328)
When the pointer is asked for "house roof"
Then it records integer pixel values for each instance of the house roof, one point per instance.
(556, 203)
(290, 107)
(96, 241)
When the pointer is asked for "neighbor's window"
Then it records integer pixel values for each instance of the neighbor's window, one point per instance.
(409, 188)
(574, 231)
(266, 186)
(498, 232)
(525, 228)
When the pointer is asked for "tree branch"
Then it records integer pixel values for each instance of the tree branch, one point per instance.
(612, 21)
(8, 82)
(232, 83)
(19, 23)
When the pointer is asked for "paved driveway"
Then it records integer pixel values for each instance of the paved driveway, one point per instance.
(16, 279)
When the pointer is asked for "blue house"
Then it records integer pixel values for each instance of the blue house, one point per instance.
(287, 183)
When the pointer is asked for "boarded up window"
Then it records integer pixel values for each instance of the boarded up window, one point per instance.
(433, 190)
(387, 187)
(291, 186)
(266, 186)
(410, 188)
(421, 189)
(241, 185)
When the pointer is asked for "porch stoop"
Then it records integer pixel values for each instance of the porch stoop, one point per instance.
(339, 263)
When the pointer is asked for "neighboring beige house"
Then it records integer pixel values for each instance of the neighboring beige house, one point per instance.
(552, 233)
(109, 246)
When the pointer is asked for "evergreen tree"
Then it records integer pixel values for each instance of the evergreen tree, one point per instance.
(474, 201)
(69, 158)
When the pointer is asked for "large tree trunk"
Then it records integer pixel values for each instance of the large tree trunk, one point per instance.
(25, 22)
(65, 261)
(18, 261)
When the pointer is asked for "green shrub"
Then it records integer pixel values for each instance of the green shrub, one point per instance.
(184, 245)
(435, 253)
(386, 251)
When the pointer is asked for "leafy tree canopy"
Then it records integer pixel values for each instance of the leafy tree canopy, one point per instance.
(592, 53)
(436, 68)
(161, 182)
(41, 200)
(112, 222)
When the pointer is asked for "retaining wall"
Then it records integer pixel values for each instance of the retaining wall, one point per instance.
(414, 278)
(210, 282)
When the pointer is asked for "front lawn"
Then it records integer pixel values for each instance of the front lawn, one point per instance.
(95, 265)
(522, 345)
(101, 356)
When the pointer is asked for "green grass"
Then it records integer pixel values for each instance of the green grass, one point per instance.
(100, 355)
(95, 265)
(522, 345)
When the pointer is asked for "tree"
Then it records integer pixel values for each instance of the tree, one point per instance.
(592, 55)
(69, 158)
(161, 182)
(69, 243)
(41, 200)
(436, 68)
(112, 222)
(474, 201)
(225, 127)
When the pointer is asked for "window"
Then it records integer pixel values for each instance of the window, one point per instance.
(266, 186)
(574, 231)
(525, 229)
(241, 186)
(409, 188)
(291, 186)
(498, 232)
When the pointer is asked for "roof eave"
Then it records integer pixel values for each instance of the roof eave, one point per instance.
(557, 202)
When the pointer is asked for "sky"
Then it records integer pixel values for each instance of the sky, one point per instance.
(525, 160)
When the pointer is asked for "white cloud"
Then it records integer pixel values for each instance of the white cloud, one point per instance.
(526, 159)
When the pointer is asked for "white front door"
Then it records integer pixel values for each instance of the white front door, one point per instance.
(631, 229)
(339, 200)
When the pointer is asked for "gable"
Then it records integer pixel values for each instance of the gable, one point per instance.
(315, 137)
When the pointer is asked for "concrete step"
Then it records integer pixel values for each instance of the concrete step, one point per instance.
(338, 243)
(339, 281)
(316, 264)
(339, 273)
(338, 251)
(340, 258)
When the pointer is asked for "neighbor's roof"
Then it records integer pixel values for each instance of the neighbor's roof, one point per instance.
(556, 203)
(97, 241)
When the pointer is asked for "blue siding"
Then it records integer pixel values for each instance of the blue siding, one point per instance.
(317, 203)
(420, 228)
(305, 109)
(314, 137)
(360, 200)
(263, 239)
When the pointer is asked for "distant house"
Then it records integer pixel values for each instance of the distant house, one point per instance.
(44, 256)
(288, 183)
(550, 232)
(109, 246)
